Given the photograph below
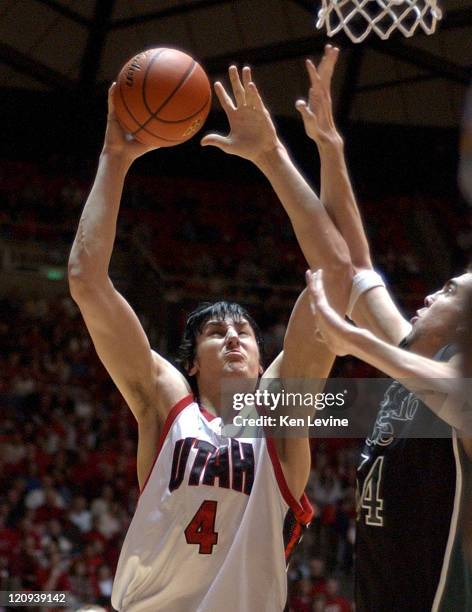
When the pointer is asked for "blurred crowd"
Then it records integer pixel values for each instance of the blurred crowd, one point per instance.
(320, 575)
(67, 456)
(219, 232)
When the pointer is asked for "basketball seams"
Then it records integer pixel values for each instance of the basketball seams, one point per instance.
(126, 105)
(145, 129)
(122, 96)
(141, 125)
(134, 103)
(152, 115)
(184, 118)
(143, 86)
(187, 73)
(183, 80)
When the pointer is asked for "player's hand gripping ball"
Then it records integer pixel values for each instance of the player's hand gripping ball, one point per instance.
(162, 97)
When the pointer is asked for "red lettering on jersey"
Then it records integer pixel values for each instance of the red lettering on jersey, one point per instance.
(201, 529)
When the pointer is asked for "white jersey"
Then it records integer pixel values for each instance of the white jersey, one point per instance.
(208, 531)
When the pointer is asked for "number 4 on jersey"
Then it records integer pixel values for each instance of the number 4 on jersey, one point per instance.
(201, 529)
(370, 499)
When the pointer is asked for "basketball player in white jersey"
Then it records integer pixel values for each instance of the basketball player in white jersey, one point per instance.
(207, 534)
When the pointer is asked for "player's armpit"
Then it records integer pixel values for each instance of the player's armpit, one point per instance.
(305, 356)
(303, 365)
(376, 311)
(147, 381)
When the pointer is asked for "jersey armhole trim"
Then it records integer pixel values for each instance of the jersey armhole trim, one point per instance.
(207, 414)
(173, 414)
(302, 509)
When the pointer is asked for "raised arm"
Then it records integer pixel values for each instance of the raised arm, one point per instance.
(253, 137)
(149, 384)
(303, 366)
(375, 308)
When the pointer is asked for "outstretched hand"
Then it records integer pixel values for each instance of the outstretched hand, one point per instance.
(252, 132)
(331, 327)
(116, 139)
(317, 112)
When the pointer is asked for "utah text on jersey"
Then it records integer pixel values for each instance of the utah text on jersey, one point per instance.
(214, 524)
(232, 465)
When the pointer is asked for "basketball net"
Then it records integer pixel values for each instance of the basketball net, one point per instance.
(358, 18)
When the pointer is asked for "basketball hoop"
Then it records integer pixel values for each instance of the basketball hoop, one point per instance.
(358, 18)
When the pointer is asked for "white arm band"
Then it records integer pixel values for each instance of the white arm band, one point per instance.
(362, 282)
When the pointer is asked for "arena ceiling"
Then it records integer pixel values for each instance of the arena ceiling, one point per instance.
(79, 45)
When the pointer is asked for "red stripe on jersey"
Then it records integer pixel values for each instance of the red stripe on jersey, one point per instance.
(173, 414)
(302, 509)
(207, 414)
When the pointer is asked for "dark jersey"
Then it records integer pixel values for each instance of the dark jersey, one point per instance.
(409, 493)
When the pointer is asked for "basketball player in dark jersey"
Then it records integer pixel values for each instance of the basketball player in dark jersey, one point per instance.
(408, 553)
(411, 491)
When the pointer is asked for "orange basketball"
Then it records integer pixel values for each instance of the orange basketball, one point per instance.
(162, 97)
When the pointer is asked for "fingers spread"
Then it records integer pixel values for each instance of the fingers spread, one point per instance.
(247, 76)
(253, 97)
(238, 89)
(327, 64)
(225, 101)
(312, 73)
(215, 140)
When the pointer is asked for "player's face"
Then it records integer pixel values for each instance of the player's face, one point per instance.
(443, 311)
(227, 348)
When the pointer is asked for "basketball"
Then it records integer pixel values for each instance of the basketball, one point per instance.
(162, 97)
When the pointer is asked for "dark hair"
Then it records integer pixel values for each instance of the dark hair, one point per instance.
(194, 325)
